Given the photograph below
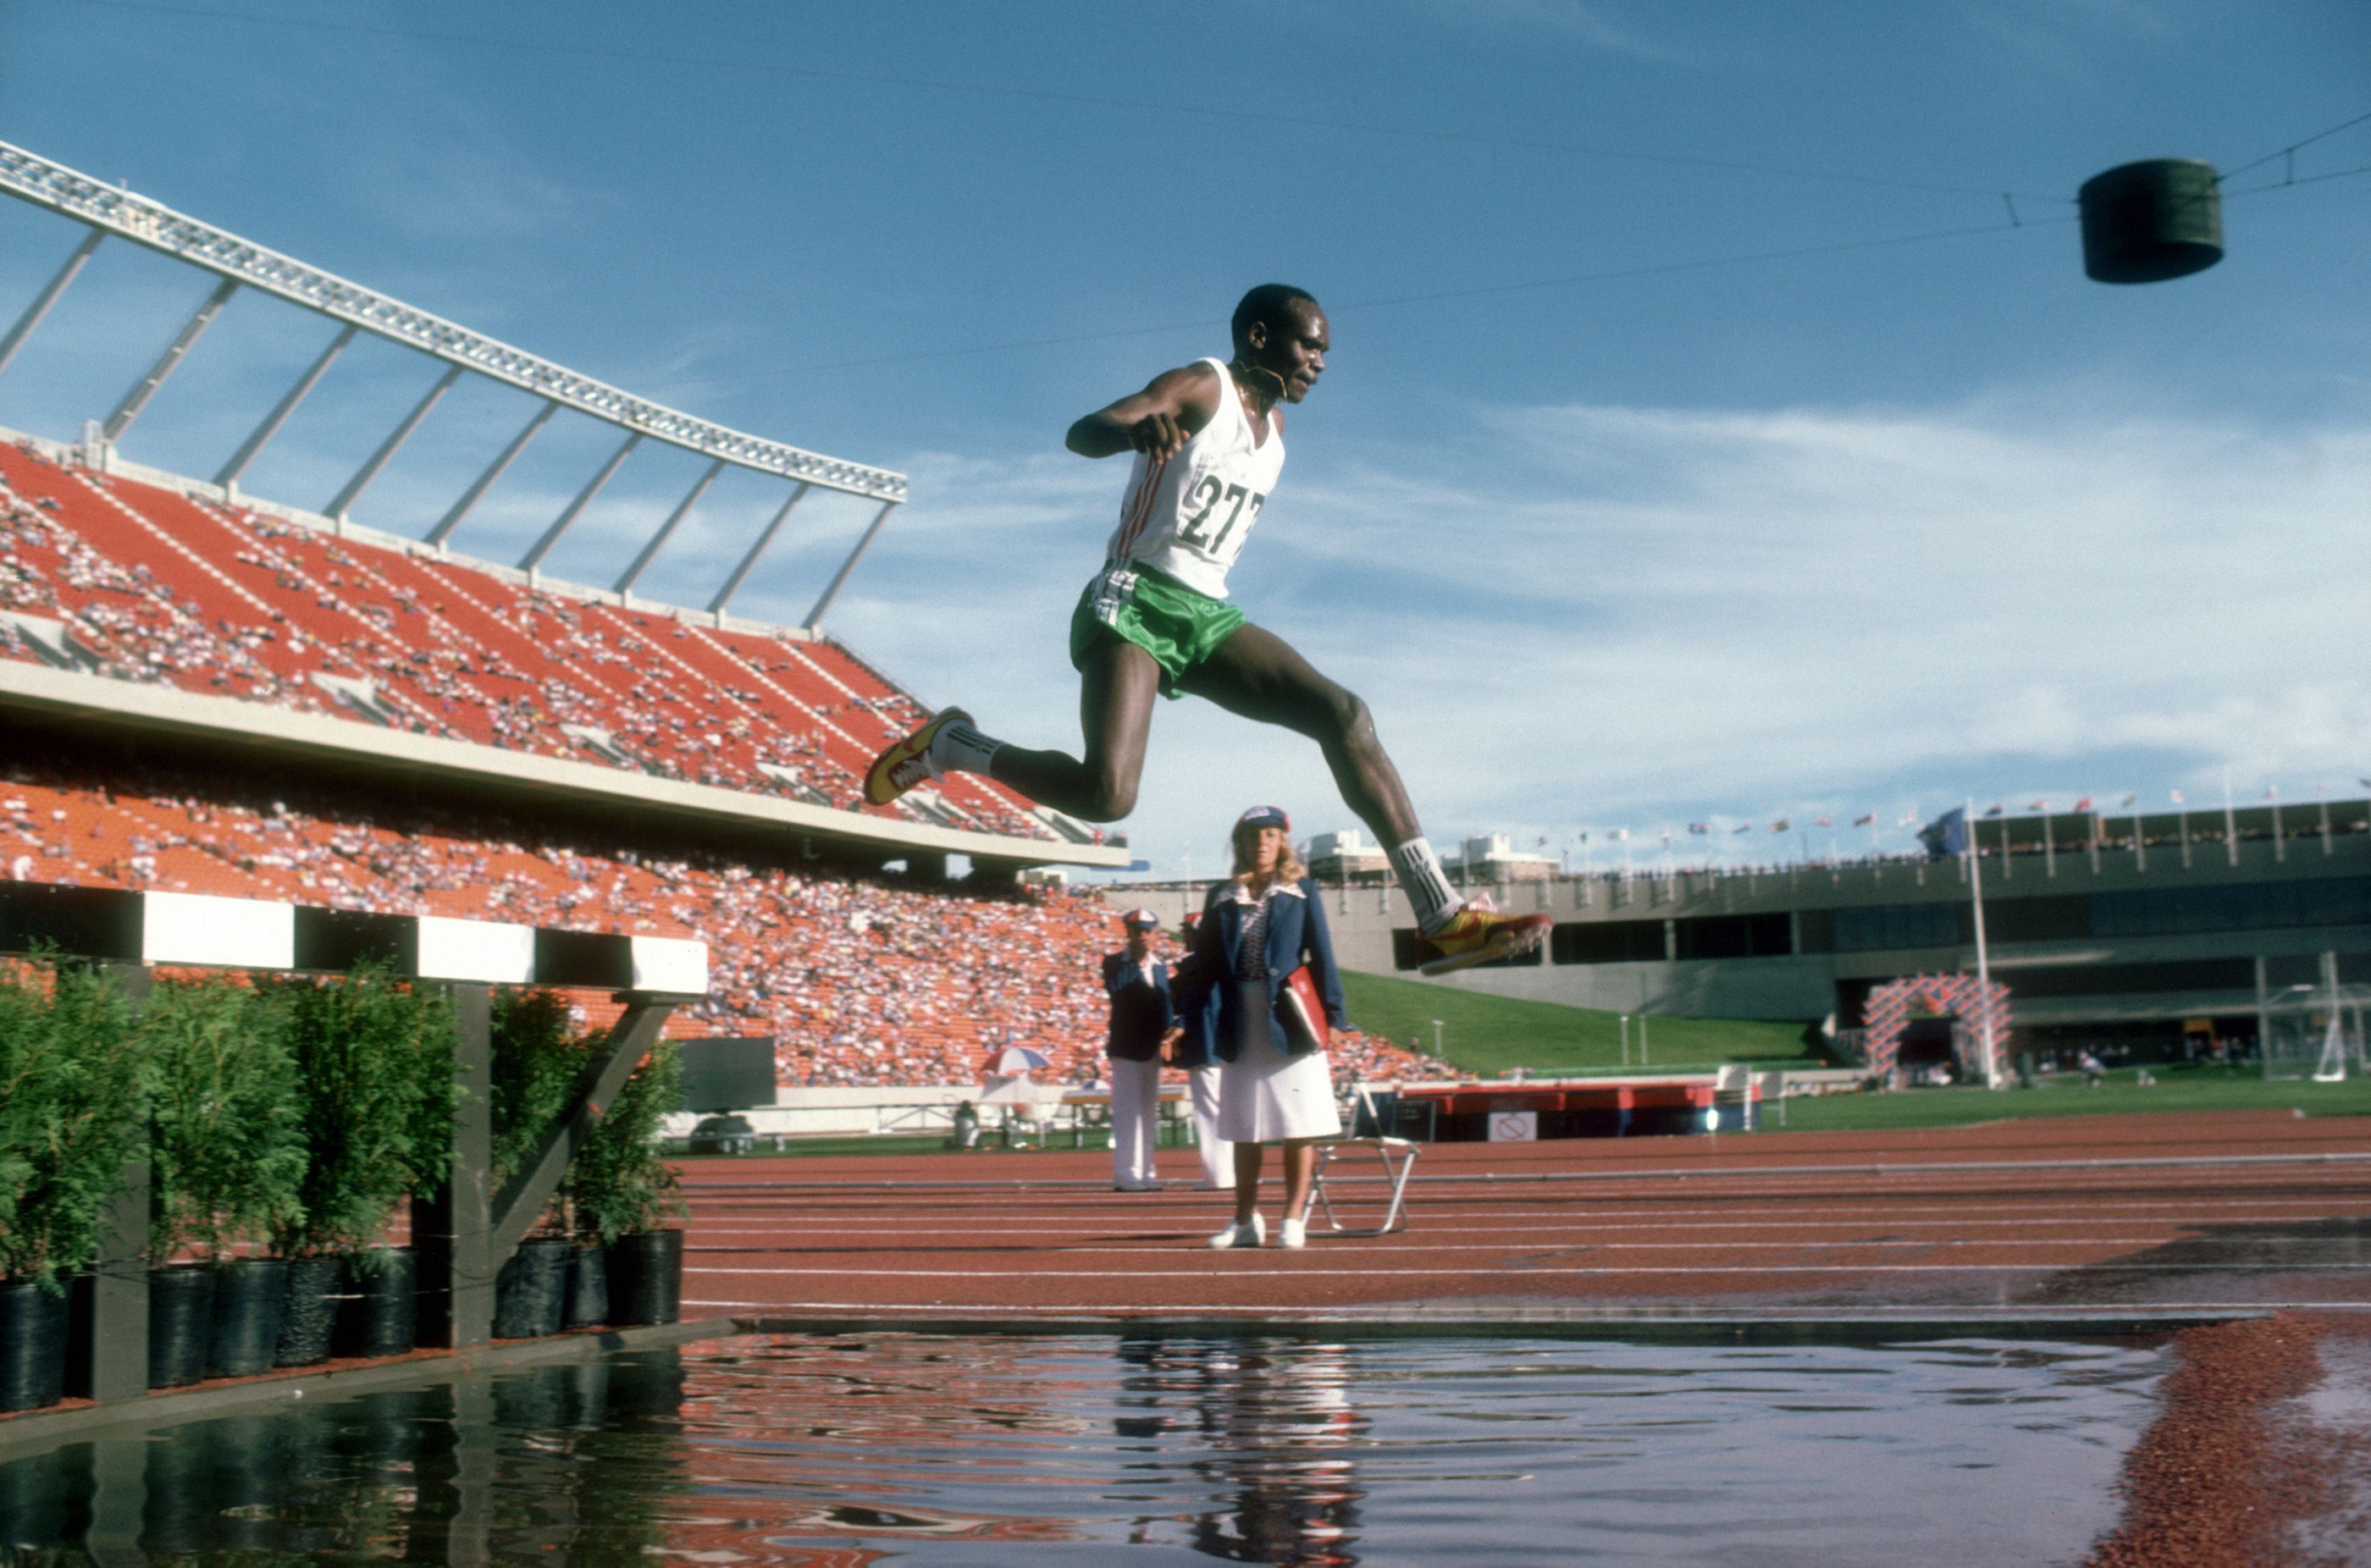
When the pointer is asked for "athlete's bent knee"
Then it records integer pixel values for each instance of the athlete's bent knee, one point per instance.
(1110, 799)
(1353, 725)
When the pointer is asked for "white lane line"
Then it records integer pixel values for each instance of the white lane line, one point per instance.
(1187, 1241)
(1212, 1274)
(810, 1230)
(1445, 1211)
(1893, 1170)
(1351, 1313)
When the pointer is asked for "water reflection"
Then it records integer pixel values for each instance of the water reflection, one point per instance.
(828, 1452)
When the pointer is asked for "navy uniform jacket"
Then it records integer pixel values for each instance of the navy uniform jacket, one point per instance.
(1139, 1012)
(1296, 935)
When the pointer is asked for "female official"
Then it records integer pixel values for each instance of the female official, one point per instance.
(1276, 1087)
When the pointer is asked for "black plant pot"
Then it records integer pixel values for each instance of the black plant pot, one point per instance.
(32, 1347)
(251, 1295)
(531, 1292)
(380, 1314)
(180, 1318)
(588, 1286)
(646, 1277)
(310, 1315)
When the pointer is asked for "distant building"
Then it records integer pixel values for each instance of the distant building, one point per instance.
(1338, 858)
(1494, 858)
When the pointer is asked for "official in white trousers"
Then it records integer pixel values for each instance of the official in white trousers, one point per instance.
(1137, 985)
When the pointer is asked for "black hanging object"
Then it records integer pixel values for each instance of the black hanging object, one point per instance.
(2144, 222)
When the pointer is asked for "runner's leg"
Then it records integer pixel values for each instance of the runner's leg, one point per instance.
(1257, 674)
(1117, 686)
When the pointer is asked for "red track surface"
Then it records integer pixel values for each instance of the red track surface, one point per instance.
(2191, 1213)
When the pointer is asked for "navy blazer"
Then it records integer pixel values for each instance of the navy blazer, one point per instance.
(1296, 934)
(1140, 1013)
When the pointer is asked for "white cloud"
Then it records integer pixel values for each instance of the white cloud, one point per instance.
(1576, 614)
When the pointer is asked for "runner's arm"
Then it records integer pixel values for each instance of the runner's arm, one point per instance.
(1159, 419)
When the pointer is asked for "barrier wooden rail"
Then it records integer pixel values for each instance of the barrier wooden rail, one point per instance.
(463, 1233)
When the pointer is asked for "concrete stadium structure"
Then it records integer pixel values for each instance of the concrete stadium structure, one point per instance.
(2115, 931)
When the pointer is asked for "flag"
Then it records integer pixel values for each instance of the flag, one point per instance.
(2132, 800)
(2271, 791)
(2176, 797)
(1865, 821)
(1619, 834)
(1994, 809)
(1906, 819)
(1742, 827)
(1823, 822)
(1782, 824)
(1580, 838)
(2038, 806)
(1544, 841)
(2084, 805)
(1667, 835)
(1947, 834)
(1700, 828)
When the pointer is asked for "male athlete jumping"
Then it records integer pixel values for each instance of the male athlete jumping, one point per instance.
(1208, 440)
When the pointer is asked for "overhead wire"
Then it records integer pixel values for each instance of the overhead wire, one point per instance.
(2015, 220)
(1038, 95)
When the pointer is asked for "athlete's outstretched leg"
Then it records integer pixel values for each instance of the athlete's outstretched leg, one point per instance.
(1258, 675)
(1118, 684)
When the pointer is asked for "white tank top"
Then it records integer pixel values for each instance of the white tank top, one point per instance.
(1187, 518)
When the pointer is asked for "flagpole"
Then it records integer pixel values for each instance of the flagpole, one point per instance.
(2181, 815)
(2140, 843)
(2231, 821)
(2280, 845)
(1983, 963)
(2323, 790)
(2049, 844)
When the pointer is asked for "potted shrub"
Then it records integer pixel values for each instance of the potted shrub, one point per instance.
(228, 1157)
(374, 1063)
(624, 1191)
(70, 1079)
(537, 1060)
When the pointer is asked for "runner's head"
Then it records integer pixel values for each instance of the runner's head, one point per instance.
(1280, 341)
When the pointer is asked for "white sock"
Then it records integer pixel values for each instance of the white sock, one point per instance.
(1426, 884)
(959, 748)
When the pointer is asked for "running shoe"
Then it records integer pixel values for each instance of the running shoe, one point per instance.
(1292, 1233)
(1234, 1236)
(1479, 934)
(908, 762)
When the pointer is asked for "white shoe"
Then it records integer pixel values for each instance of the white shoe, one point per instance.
(1250, 1235)
(1293, 1233)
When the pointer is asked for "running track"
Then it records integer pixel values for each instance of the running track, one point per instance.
(2173, 1214)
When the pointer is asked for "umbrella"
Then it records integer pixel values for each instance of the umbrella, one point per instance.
(1014, 1059)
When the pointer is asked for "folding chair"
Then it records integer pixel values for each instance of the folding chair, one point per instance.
(1398, 1157)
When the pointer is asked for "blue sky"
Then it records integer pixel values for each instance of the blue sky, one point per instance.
(1612, 527)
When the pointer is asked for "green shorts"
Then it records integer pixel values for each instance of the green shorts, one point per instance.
(1179, 626)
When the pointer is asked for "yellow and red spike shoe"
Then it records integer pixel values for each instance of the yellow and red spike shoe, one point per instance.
(908, 762)
(1479, 934)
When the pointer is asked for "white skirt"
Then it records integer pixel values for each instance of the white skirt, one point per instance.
(1266, 1096)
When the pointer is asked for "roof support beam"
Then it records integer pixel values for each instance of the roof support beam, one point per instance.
(167, 362)
(75, 195)
(822, 605)
(391, 445)
(658, 541)
(485, 482)
(740, 572)
(46, 298)
(254, 444)
(561, 523)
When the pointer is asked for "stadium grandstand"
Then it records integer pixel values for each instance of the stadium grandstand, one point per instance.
(210, 692)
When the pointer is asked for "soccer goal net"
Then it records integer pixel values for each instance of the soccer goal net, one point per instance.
(2316, 1031)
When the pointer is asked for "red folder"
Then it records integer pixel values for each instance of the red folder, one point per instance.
(1303, 1013)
